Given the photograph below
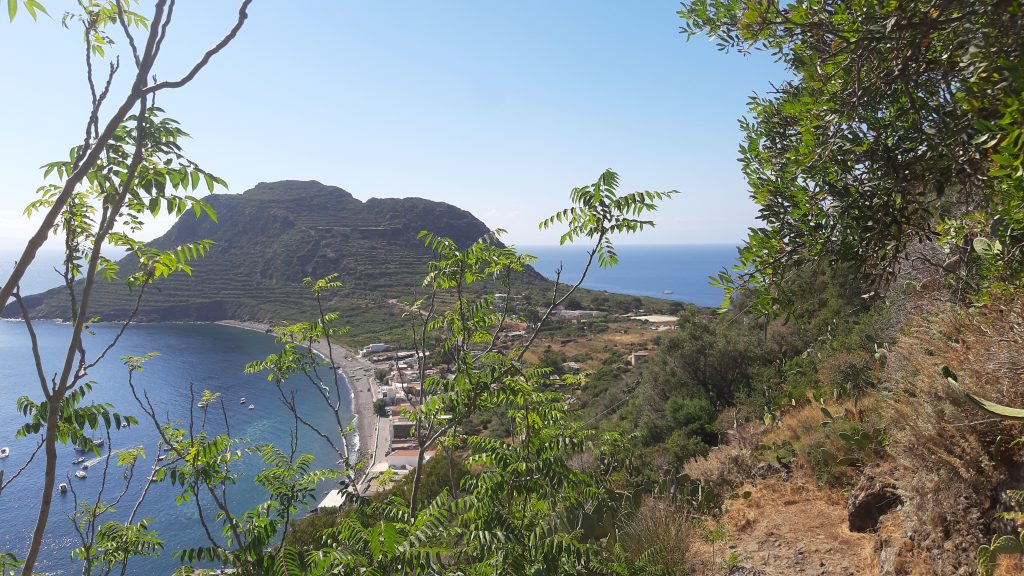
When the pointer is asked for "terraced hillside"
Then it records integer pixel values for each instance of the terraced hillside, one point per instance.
(274, 235)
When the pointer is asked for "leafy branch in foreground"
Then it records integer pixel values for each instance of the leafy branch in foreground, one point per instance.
(128, 165)
(528, 505)
(898, 127)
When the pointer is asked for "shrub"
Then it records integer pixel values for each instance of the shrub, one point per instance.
(723, 469)
(847, 373)
(840, 451)
(658, 539)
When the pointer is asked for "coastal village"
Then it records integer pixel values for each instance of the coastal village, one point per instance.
(386, 386)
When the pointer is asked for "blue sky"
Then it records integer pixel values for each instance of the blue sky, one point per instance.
(497, 107)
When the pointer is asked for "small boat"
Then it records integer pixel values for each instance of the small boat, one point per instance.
(80, 474)
(62, 488)
(5, 452)
(201, 405)
(98, 442)
(161, 457)
(666, 292)
(124, 424)
(252, 406)
(86, 466)
(242, 401)
(78, 460)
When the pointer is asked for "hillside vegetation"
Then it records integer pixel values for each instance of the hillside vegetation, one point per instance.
(854, 408)
(268, 239)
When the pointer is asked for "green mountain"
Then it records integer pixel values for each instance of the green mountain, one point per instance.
(269, 238)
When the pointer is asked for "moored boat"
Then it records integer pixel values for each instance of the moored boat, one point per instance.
(252, 406)
(62, 488)
(5, 452)
(80, 474)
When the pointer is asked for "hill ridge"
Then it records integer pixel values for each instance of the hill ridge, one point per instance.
(270, 237)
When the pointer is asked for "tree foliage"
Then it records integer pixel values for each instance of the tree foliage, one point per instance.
(899, 123)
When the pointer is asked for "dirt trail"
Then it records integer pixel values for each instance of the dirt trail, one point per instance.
(790, 527)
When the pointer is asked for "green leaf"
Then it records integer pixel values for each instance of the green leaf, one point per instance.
(1006, 545)
(34, 6)
(12, 9)
(986, 561)
(986, 247)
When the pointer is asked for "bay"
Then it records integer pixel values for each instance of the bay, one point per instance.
(212, 357)
(681, 270)
(207, 356)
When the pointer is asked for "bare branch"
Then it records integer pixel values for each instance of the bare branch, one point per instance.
(32, 456)
(128, 33)
(242, 16)
(36, 355)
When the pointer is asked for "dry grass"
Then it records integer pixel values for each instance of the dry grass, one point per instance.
(729, 465)
(802, 429)
(791, 527)
(664, 529)
(722, 469)
(796, 424)
(950, 457)
(624, 335)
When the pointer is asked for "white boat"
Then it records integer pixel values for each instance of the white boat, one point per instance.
(78, 460)
(201, 404)
(666, 292)
(5, 452)
(98, 442)
(86, 466)
(62, 488)
(242, 401)
(252, 406)
(80, 474)
(161, 457)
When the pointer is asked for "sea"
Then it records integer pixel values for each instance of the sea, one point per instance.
(212, 357)
(671, 271)
(204, 356)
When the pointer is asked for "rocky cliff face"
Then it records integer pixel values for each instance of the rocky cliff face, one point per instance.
(269, 238)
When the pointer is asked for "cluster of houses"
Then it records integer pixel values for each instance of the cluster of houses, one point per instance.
(397, 395)
(399, 389)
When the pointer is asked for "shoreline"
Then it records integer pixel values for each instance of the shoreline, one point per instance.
(359, 376)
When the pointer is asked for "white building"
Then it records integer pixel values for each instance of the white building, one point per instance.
(373, 349)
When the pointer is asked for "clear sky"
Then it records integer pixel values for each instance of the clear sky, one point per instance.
(497, 107)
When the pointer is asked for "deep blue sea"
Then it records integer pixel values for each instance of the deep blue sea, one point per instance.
(205, 355)
(682, 270)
